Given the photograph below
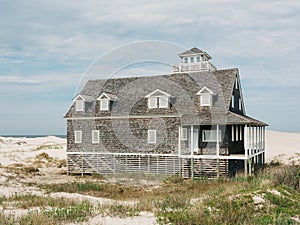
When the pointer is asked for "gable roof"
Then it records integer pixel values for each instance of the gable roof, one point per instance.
(86, 98)
(157, 92)
(194, 51)
(108, 96)
(204, 90)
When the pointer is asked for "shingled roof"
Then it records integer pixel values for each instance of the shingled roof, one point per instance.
(183, 88)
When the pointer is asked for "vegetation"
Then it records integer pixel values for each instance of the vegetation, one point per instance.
(271, 197)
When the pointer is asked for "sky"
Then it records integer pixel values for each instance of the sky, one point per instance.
(47, 50)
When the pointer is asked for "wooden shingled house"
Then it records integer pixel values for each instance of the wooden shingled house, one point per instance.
(191, 122)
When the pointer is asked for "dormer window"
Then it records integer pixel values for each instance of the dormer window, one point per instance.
(205, 97)
(152, 102)
(105, 99)
(163, 102)
(80, 101)
(104, 104)
(158, 99)
(79, 105)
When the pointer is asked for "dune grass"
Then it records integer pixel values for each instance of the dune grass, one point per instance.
(271, 197)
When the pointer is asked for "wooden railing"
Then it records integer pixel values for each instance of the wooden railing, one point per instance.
(193, 67)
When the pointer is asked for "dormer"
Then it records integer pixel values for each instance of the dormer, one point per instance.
(158, 99)
(194, 60)
(80, 101)
(206, 97)
(105, 99)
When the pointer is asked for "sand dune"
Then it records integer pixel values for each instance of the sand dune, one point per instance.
(283, 146)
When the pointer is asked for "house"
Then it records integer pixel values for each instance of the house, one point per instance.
(191, 122)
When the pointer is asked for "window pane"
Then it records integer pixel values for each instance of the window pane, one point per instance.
(152, 102)
(79, 105)
(198, 58)
(163, 102)
(205, 100)
(192, 59)
(95, 136)
(210, 135)
(184, 134)
(104, 104)
(151, 136)
(78, 136)
(185, 60)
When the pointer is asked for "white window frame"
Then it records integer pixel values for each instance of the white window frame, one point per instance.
(166, 101)
(79, 105)
(151, 140)
(184, 134)
(212, 137)
(95, 133)
(152, 102)
(104, 107)
(78, 136)
(208, 98)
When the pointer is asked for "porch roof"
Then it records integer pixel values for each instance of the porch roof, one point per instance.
(219, 118)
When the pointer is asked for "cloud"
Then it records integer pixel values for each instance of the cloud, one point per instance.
(48, 46)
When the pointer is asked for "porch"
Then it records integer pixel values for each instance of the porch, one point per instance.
(221, 150)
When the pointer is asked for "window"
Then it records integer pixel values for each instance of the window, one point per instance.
(95, 136)
(79, 105)
(205, 99)
(205, 96)
(192, 59)
(163, 102)
(210, 135)
(185, 60)
(236, 83)
(78, 136)
(198, 58)
(232, 101)
(104, 104)
(152, 136)
(184, 134)
(240, 104)
(152, 102)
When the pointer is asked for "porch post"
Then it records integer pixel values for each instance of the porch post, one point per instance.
(246, 167)
(192, 152)
(246, 140)
(218, 152)
(179, 149)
